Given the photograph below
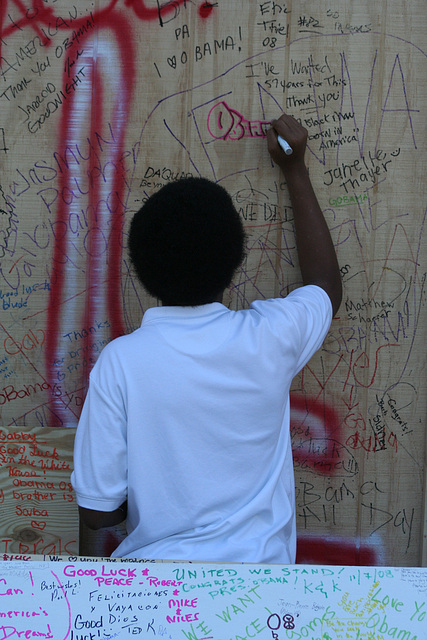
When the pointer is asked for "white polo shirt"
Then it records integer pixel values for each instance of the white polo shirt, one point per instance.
(188, 419)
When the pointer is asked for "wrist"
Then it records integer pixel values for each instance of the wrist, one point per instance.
(295, 168)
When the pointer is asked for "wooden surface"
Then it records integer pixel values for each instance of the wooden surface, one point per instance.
(38, 508)
(100, 105)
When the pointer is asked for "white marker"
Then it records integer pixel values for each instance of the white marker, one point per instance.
(286, 148)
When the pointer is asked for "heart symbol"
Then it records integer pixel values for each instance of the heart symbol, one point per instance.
(38, 525)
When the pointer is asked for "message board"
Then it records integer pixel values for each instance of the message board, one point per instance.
(101, 103)
(38, 509)
(87, 600)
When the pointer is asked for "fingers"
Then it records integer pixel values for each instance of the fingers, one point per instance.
(287, 125)
(290, 130)
(271, 140)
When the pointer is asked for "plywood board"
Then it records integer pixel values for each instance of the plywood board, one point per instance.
(102, 104)
(38, 506)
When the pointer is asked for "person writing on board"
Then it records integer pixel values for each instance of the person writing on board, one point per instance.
(185, 428)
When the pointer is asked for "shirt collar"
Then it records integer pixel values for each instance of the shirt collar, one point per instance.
(157, 313)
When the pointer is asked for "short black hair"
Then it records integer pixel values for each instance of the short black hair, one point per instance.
(186, 242)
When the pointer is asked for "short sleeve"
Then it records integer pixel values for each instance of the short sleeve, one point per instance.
(100, 453)
(303, 318)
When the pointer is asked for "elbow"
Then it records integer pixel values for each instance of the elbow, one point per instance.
(336, 298)
(334, 290)
(99, 519)
(92, 519)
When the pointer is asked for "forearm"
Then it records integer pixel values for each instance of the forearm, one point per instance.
(100, 519)
(316, 252)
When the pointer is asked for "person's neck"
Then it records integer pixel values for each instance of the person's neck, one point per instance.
(217, 298)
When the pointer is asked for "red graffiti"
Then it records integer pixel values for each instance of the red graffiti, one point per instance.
(31, 16)
(228, 124)
(316, 439)
(160, 12)
(206, 8)
(373, 442)
(88, 69)
(334, 551)
(28, 342)
(97, 273)
(38, 15)
(316, 431)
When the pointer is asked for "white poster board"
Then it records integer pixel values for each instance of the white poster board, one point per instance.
(90, 599)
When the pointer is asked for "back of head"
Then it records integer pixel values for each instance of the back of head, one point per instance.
(186, 242)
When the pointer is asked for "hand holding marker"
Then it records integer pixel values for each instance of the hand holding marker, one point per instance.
(287, 126)
(286, 141)
(286, 148)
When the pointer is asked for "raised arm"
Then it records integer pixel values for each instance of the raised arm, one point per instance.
(316, 252)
